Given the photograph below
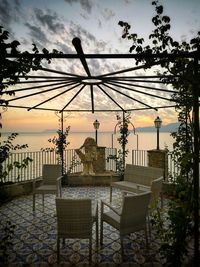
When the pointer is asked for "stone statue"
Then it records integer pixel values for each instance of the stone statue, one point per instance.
(88, 155)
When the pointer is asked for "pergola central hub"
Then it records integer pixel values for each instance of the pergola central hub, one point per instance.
(91, 81)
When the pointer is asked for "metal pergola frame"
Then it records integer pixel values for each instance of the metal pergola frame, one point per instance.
(111, 81)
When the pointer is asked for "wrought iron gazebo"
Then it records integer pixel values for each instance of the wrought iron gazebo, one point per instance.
(114, 85)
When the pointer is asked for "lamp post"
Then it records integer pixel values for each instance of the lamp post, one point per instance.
(157, 123)
(96, 124)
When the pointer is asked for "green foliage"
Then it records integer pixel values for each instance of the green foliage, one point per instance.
(6, 148)
(175, 233)
(122, 123)
(60, 144)
(74, 162)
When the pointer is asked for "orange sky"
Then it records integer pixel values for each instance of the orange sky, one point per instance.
(19, 120)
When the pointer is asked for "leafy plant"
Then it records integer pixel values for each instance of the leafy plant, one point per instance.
(6, 148)
(122, 123)
(60, 144)
(180, 215)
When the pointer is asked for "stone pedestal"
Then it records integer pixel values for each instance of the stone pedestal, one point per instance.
(99, 164)
(94, 180)
(158, 159)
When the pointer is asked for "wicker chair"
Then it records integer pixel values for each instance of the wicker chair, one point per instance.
(131, 217)
(51, 182)
(75, 218)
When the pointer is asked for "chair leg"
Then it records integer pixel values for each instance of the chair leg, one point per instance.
(97, 234)
(90, 250)
(110, 193)
(101, 232)
(33, 202)
(58, 249)
(122, 247)
(43, 201)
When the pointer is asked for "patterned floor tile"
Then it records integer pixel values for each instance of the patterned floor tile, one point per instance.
(34, 238)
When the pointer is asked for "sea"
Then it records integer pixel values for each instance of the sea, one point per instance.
(141, 141)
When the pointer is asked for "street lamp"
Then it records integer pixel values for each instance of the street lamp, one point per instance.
(96, 124)
(157, 123)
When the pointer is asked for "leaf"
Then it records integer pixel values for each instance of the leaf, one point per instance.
(121, 23)
(175, 44)
(166, 19)
(193, 41)
(132, 48)
(159, 10)
(45, 51)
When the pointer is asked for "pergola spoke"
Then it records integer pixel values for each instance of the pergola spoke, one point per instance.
(141, 92)
(73, 98)
(141, 86)
(47, 90)
(47, 100)
(129, 97)
(110, 97)
(59, 72)
(132, 69)
(36, 87)
(39, 81)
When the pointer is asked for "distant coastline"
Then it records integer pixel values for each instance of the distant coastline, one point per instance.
(171, 127)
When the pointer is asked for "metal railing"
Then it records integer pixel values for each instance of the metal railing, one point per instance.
(34, 168)
(139, 157)
(72, 162)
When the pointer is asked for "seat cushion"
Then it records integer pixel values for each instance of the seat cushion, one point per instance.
(46, 189)
(127, 186)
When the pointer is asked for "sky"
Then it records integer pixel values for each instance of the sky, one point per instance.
(53, 24)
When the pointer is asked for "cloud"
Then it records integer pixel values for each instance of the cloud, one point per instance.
(9, 13)
(85, 4)
(48, 19)
(107, 13)
(37, 33)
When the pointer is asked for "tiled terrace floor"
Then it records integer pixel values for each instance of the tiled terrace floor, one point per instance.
(34, 240)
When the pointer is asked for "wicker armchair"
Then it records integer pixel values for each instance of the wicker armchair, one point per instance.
(51, 182)
(156, 195)
(131, 217)
(75, 218)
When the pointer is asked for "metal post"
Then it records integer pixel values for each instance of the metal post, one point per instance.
(112, 140)
(62, 155)
(137, 142)
(96, 135)
(196, 162)
(158, 139)
(124, 146)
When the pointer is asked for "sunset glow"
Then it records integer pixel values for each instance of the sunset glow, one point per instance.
(96, 24)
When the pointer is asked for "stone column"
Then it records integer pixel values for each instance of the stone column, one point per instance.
(99, 164)
(158, 159)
